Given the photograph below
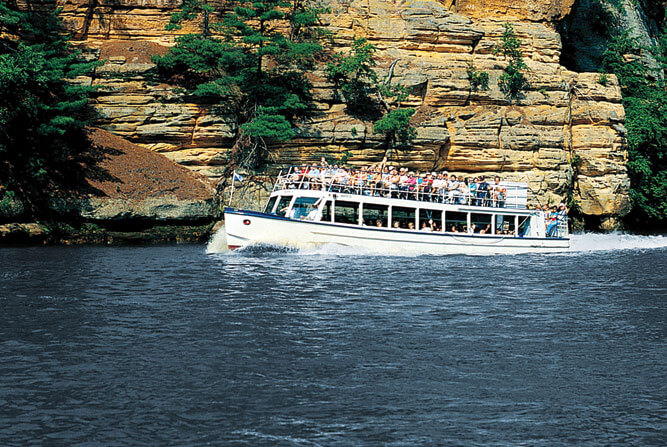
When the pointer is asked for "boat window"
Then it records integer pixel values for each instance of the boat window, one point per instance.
(303, 206)
(456, 222)
(430, 220)
(283, 204)
(505, 224)
(326, 212)
(346, 212)
(270, 203)
(524, 226)
(481, 222)
(375, 215)
(403, 217)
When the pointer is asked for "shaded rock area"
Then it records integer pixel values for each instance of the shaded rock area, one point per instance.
(591, 24)
(130, 195)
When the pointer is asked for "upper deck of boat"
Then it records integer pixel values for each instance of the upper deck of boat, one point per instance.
(364, 186)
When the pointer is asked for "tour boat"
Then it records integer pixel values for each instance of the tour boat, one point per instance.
(307, 211)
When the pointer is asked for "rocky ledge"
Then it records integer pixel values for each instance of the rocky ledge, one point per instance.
(129, 195)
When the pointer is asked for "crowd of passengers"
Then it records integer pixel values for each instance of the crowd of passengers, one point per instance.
(390, 181)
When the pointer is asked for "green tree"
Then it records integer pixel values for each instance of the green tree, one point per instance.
(254, 62)
(353, 74)
(645, 102)
(42, 114)
(513, 81)
(478, 79)
(396, 127)
(355, 77)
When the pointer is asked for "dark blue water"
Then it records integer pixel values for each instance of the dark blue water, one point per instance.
(170, 346)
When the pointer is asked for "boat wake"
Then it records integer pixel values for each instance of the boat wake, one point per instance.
(590, 242)
(580, 243)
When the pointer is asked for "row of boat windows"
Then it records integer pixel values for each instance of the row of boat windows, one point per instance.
(375, 215)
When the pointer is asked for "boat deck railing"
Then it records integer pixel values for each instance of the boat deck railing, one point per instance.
(366, 183)
(559, 230)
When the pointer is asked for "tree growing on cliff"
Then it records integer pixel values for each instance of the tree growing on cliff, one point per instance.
(253, 61)
(513, 81)
(42, 114)
(645, 103)
(354, 75)
(478, 79)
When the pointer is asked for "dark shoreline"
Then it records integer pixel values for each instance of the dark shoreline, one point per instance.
(106, 233)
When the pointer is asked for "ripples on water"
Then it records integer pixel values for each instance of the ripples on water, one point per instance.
(166, 346)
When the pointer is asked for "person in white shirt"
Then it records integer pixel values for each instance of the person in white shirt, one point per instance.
(315, 214)
(453, 189)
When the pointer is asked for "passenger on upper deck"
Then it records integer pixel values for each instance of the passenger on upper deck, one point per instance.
(498, 193)
(453, 190)
(483, 192)
(472, 190)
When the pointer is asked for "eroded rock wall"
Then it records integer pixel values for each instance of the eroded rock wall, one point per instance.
(566, 130)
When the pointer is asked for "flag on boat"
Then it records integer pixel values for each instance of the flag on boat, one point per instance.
(238, 177)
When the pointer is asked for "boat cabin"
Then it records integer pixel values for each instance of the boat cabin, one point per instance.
(396, 214)
(363, 206)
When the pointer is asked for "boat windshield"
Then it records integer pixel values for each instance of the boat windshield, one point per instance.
(303, 206)
(269, 205)
(283, 205)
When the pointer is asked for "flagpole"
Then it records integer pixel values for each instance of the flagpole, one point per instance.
(232, 193)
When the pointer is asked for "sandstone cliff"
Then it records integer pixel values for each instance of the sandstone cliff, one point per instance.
(566, 132)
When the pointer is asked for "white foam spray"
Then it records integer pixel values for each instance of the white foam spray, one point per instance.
(218, 242)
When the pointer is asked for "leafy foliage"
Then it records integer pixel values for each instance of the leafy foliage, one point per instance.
(340, 161)
(42, 115)
(645, 102)
(354, 75)
(190, 10)
(513, 81)
(603, 79)
(254, 66)
(478, 79)
(395, 125)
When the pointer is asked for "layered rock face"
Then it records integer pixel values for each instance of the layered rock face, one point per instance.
(566, 132)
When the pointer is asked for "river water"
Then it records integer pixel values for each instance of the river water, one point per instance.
(193, 346)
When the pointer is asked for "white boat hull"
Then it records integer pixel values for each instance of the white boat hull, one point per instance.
(246, 228)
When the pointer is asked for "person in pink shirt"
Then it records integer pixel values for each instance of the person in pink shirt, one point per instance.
(412, 185)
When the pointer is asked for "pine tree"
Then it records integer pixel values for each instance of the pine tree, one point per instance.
(513, 81)
(254, 62)
(42, 114)
(367, 97)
